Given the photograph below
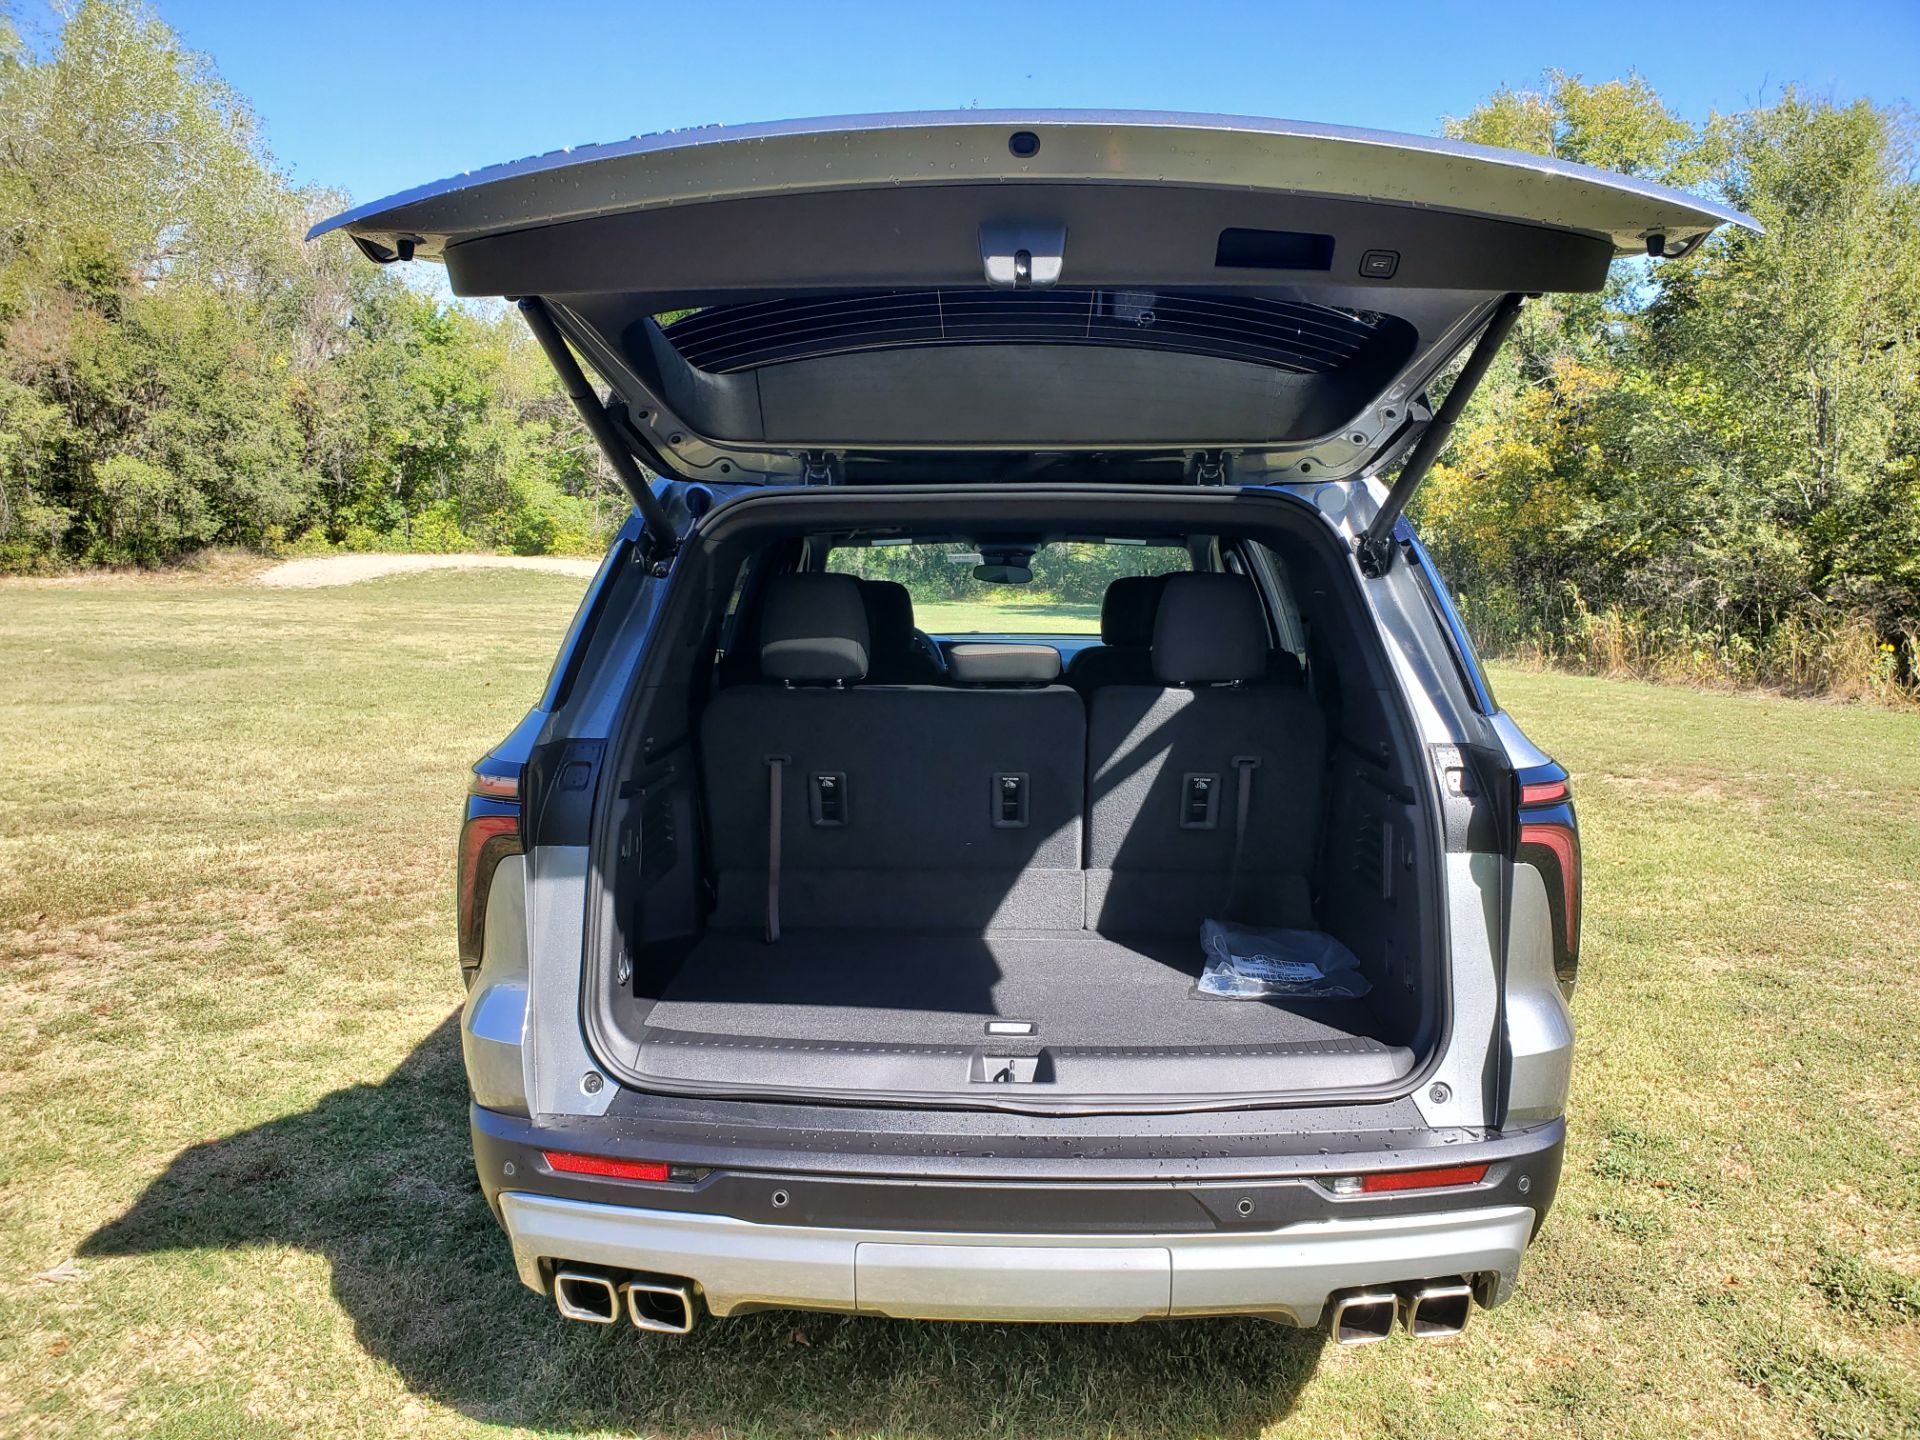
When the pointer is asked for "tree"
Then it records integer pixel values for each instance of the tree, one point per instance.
(178, 368)
(1718, 451)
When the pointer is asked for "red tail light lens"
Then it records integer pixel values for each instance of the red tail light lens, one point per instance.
(1563, 842)
(570, 1164)
(1549, 840)
(490, 834)
(1422, 1179)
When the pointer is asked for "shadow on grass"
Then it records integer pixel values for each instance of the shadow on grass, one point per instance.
(379, 1179)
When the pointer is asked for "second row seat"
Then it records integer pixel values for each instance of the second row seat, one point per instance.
(834, 803)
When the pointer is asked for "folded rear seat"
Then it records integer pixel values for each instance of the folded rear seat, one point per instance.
(837, 804)
(1205, 788)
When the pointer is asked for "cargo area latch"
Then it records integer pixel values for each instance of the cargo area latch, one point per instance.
(1017, 255)
(1009, 1069)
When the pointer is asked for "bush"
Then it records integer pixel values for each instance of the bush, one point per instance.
(436, 530)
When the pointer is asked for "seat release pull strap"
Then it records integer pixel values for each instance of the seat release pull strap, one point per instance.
(776, 768)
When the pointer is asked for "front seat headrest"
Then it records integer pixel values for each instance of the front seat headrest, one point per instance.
(889, 615)
(813, 629)
(1127, 610)
(1211, 630)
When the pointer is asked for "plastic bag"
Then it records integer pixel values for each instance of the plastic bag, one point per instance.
(1245, 962)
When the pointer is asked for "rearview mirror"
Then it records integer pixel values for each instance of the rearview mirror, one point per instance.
(1003, 574)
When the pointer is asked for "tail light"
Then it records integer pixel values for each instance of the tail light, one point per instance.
(490, 833)
(1550, 841)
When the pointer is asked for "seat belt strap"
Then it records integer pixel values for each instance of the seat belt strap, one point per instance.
(1243, 802)
(776, 769)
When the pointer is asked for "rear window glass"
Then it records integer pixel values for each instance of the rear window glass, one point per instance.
(960, 588)
(1290, 335)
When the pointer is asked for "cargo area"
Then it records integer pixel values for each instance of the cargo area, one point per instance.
(1097, 1012)
(971, 869)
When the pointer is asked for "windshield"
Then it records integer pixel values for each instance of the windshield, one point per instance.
(1061, 597)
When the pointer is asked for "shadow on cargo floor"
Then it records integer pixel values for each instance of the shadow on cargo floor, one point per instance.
(379, 1179)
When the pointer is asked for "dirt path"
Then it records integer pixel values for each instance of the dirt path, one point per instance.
(319, 570)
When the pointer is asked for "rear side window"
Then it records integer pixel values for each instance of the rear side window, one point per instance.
(967, 588)
(1459, 642)
(1290, 630)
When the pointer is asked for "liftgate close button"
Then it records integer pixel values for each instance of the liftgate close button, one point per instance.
(1379, 264)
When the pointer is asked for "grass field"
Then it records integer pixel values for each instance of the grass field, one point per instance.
(1005, 617)
(235, 1193)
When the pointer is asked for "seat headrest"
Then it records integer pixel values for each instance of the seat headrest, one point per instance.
(1210, 630)
(813, 628)
(889, 615)
(1127, 610)
(1003, 664)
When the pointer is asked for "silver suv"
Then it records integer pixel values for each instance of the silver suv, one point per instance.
(1016, 829)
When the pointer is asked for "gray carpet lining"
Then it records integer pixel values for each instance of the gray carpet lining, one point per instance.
(889, 988)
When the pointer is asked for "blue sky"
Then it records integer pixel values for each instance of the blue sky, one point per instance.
(375, 97)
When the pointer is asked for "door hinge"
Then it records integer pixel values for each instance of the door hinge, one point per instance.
(1210, 467)
(1375, 554)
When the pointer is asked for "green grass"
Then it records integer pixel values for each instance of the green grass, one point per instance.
(230, 1090)
(1011, 616)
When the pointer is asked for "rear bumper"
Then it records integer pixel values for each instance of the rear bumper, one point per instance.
(1287, 1274)
(774, 1217)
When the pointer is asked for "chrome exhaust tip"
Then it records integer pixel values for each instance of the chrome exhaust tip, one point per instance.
(665, 1307)
(1438, 1310)
(586, 1295)
(1362, 1317)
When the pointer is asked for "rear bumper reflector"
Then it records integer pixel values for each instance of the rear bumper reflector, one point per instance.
(570, 1164)
(1422, 1179)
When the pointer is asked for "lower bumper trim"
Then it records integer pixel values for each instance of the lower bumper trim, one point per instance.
(1287, 1273)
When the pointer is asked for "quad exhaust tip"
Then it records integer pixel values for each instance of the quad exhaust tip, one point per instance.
(1364, 1316)
(586, 1295)
(663, 1306)
(1437, 1310)
(1429, 1309)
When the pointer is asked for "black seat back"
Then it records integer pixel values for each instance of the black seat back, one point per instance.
(1124, 654)
(1166, 763)
(901, 807)
(901, 654)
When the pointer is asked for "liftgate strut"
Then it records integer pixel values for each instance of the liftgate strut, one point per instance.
(1374, 549)
(600, 425)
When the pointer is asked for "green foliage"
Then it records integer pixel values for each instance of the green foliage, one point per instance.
(1618, 125)
(1711, 469)
(178, 369)
(1714, 468)
(1068, 573)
